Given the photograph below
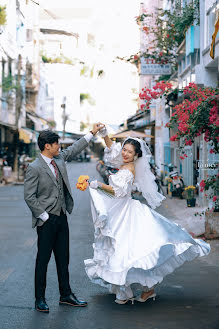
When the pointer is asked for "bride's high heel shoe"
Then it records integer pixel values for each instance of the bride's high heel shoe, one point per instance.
(142, 300)
(122, 302)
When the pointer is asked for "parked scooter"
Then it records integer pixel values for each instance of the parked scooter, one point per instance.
(154, 169)
(105, 171)
(174, 182)
(23, 161)
(109, 171)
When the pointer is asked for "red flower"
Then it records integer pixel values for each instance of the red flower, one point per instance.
(168, 35)
(146, 29)
(173, 138)
(202, 184)
(214, 198)
(181, 157)
(211, 151)
(188, 142)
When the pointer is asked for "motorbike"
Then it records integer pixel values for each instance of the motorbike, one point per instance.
(105, 171)
(174, 182)
(23, 162)
(158, 181)
(109, 171)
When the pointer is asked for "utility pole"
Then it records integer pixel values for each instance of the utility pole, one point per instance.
(64, 116)
(18, 106)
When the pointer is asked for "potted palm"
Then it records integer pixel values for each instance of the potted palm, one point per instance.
(189, 192)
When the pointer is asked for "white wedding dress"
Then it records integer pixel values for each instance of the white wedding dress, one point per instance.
(134, 246)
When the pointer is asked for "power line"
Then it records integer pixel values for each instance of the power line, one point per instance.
(35, 2)
(46, 11)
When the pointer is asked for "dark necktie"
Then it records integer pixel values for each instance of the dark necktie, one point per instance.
(55, 168)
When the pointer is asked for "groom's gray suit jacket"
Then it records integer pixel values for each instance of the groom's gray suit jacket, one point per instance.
(42, 192)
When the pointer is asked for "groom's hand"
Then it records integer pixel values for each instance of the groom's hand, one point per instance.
(97, 127)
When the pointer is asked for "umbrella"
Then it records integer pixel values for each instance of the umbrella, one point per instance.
(132, 133)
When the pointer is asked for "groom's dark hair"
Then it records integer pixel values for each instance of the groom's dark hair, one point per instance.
(47, 137)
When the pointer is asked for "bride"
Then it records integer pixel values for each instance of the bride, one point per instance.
(134, 246)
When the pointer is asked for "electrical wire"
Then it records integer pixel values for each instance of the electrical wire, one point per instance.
(46, 11)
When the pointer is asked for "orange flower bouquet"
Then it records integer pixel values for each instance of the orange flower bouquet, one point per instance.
(82, 183)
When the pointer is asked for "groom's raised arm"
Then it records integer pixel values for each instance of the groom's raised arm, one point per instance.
(69, 153)
(78, 146)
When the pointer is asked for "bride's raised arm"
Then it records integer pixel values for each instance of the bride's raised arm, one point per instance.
(104, 133)
(108, 141)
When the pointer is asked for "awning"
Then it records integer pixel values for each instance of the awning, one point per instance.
(25, 136)
(132, 133)
(37, 120)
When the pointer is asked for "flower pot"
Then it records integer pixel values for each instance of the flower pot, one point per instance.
(211, 225)
(191, 202)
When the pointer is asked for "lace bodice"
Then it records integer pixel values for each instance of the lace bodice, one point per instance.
(121, 182)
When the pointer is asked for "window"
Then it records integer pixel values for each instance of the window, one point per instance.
(29, 35)
(183, 63)
(193, 77)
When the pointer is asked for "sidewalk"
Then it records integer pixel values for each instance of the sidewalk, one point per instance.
(176, 209)
(184, 215)
(12, 180)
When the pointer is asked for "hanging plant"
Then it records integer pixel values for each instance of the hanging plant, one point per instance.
(3, 15)
(166, 29)
(158, 91)
(196, 115)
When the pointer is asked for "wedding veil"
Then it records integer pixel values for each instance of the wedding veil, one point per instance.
(144, 180)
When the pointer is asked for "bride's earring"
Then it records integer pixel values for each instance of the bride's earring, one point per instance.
(135, 157)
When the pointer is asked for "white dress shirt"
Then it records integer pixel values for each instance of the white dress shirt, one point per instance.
(44, 216)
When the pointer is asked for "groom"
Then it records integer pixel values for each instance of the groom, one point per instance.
(47, 193)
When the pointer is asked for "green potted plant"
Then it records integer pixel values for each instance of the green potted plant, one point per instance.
(189, 192)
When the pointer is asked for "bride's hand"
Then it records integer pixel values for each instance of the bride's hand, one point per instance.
(103, 132)
(95, 184)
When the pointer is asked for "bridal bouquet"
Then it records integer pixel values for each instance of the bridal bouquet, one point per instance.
(82, 183)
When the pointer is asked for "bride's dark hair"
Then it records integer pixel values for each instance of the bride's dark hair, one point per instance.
(136, 145)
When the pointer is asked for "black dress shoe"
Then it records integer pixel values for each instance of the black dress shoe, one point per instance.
(41, 306)
(72, 301)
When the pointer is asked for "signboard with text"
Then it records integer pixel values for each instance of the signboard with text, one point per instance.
(150, 67)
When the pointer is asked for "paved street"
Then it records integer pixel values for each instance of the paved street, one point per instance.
(187, 299)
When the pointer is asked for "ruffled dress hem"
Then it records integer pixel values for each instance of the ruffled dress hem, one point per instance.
(146, 271)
